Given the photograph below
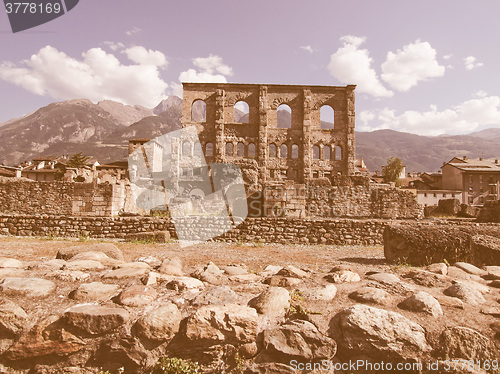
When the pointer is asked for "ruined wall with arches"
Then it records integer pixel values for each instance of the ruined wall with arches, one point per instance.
(278, 131)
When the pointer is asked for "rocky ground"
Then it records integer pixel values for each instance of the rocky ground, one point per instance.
(86, 307)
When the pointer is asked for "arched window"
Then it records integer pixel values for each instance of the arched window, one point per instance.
(251, 150)
(241, 111)
(295, 151)
(186, 149)
(272, 150)
(284, 116)
(283, 151)
(338, 152)
(327, 153)
(316, 152)
(327, 117)
(198, 111)
(229, 149)
(209, 150)
(197, 149)
(240, 150)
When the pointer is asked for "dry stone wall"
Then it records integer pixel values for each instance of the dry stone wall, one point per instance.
(265, 230)
(66, 198)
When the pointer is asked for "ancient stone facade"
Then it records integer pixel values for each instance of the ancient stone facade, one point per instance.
(303, 151)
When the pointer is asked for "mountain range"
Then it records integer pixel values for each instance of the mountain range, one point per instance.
(102, 130)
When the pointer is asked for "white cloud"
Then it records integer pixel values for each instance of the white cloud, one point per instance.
(470, 63)
(308, 48)
(447, 57)
(211, 69)
(143, 56)
(135, 30)
(97, 76)
(415, 63)
(463, 118)
(480, 94)
(351, 65)
(114, 46)
(212, 64)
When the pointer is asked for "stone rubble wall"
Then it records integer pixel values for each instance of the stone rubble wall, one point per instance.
(363, 202)
(264, 230)
(62, 198)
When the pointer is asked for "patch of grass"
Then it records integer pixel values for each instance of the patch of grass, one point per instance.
(299, 312)
(296, 296)
(144, 241)
(174, 365)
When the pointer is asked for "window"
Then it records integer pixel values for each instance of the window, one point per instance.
(283, 151)
(470, 179)
(241, 111)
(315, 174)
(435, 195)
(480, 179)
(251, 150)
(425, 194)
(209, 150)
(198, 111)
(316, 152)
(229, 149)
(295, 151)
(240, 150)
(338, 153)
(272, 150)
(327, 117)
(471, 200)
(284, 116)
(444, 195)
(186, 149)
(327, 153)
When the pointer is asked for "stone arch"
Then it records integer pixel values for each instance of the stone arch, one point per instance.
(339, 153)
(251, 150)
(241, 112)
(229, 149)
(198, 111)
(284, 116)
(327, 152)
(327, 117)
(283, 151)
(272, 150)
(240, 150)
(209, 149)
(315, 152)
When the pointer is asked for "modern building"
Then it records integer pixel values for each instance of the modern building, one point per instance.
(477, 179)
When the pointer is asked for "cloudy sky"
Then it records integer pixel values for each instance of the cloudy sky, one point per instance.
(426, 67)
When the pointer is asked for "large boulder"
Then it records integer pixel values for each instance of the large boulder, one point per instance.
(298, 340)
(222, 324)
(13, 318)
(377, 333)
(465, 343)
(159, 324)
(109, 249)
(273, 302)
(29, 287)
(95, 319)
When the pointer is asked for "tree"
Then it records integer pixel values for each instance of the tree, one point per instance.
(392, 170)
(78, 160)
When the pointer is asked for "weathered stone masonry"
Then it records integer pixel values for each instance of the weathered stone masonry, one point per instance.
(265, 230)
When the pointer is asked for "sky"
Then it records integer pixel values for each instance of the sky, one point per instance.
(424, 67)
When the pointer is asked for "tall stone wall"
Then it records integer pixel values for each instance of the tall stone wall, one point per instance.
(264, 230)
(66, 198)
